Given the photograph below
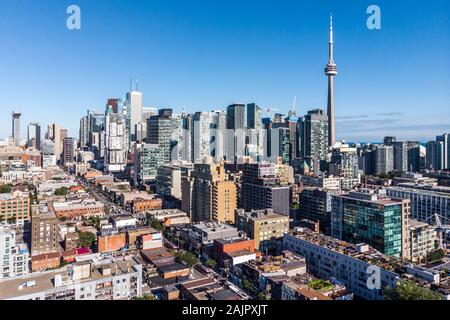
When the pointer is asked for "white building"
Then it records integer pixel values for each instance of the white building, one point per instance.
(134, 106)
(14, 257)
(116, 143)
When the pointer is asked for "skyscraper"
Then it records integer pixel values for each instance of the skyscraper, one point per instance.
(330, 72)
(134, 104)
(116, 143)
(236, 120)
(68, 150)
(34, 135)
(314, 135)
(84, 132)
(159, 131)
(253, 116)
(16, 127)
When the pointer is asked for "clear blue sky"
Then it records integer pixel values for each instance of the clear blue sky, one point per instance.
(204, 55)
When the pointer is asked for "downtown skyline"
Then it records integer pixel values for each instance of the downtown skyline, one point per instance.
(291, 64)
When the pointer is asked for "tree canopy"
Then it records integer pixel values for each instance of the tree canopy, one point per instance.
(409, 290)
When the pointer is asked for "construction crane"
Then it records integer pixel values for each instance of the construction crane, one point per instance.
(292, 113)
(269, 112)
(443, 230)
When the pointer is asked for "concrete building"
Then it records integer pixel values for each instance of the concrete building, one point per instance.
(314, 135)
(169, 177)
(424, 203)
(213, 196)
(344, 164)
(265, 227)
(423, 240)
(315, 205)
(261, 188)
(134, 111)
(116, 143)
(14, 256)
(323, 182)
(34, 135)
(84, 280)
(15, 207)
(384, 159)
(16, 128)
(148, 158)
(44, 231)
(69, 146)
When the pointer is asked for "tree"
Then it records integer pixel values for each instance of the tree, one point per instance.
(61, 191)
(146, 297)
(319, 284)
(409, 290)
(263, 296)
(95, 221)
(188, 258)
(435, 255)
(211, 263)
(86, 239)
(6, 188)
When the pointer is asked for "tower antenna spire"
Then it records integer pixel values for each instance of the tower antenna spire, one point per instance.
(331, 72)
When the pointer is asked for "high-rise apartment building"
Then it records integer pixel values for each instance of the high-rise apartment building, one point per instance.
(344, 164)
(16, 127)
(13, 256)
(83, 138)
(435, 155)
(116, 143)
(236, 120)
(253, 116)
(400, 156)
(313, 130)
(261, 188)
(212, 197)
(69, 145)
(203, 131)
(34, 135)
(384, 159)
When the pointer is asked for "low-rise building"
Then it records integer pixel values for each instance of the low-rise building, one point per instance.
(264, 226)
(111, 240)
(85, 208)
(15, 207)
(423, 240)
(119, 280)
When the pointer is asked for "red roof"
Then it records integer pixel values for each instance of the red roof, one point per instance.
(82, 251)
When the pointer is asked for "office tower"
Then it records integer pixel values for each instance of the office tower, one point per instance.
(16, 128)
(54, 134)
(384, 159)
(203, 123)
(48, 153)
(435, 155)
(331, 72)
(413, 150)
(278, 144)
(34, 135)
(68, 150)
(84, 132)
(367, 217)
(148, 158)
(188, 137)
(265, 227)
(344, 164)
(49, 134)
(261, 188)
(116, 143)
(213, 196)
(44, 231)
(445, 139)
(219, 135)
(236, 120)
(159, 132)
(13, 256)
(134, 104)
(313, 129)
(253, 116)
(147, 112)
(315, 205)
(400, 156)
(112, 106)
(389, 140)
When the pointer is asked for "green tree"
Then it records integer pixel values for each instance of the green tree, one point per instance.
(409, 290)
(263, 296)
(188, 258)
(319, 284)
(211, 263)
(6, 188)
(146, 297)
(435, 255)
(95, 221)
(86, 239)
(61, 191)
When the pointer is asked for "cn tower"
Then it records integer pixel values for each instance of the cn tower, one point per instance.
(330, 72)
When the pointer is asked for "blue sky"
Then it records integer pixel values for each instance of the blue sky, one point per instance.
(204, 55)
